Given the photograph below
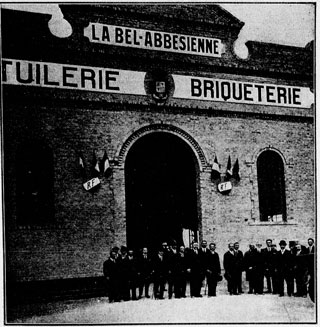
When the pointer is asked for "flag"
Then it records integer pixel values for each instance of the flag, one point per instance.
(105, 165)
(229, 169)
(81, 165)
(215, 170)
(236, 173)
(96, 163)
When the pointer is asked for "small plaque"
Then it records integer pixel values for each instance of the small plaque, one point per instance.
(91, 183)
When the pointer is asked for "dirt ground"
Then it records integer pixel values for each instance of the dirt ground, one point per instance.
(244, 308)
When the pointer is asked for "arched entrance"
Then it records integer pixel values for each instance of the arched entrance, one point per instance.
(161, 190)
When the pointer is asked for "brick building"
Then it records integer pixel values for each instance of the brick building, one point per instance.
(164, 100)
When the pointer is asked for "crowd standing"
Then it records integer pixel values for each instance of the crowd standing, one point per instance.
(130, 275)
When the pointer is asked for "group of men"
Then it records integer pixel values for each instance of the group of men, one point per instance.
(172, 267)
(295, 266)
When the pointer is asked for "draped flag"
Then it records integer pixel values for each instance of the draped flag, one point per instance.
(95, 163)
(229, 169)
(105, 165)
(81, 165)
(236, 172)
(215, 170)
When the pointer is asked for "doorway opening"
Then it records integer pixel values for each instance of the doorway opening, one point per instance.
(161, 190)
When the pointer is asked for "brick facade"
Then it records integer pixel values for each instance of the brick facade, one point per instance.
(87, 224)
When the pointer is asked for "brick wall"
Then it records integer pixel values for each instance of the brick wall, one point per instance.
(88, 224)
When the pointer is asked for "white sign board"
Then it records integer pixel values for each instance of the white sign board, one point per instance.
(223, 187)
(222, 90)
(48, 74)
(91, 183)
(108, 80)
(153, 40)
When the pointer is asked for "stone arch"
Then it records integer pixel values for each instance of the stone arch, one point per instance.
(202, 161)
(269, 148)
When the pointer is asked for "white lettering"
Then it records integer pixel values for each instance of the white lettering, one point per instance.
(211, 89)
(153, 40)
(43, 74)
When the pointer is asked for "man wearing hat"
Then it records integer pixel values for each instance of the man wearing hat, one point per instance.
(160, 270)
(269, 254)
(284, 266)
(123, 266)
(258, 270)
(171, 261)
(111, 274)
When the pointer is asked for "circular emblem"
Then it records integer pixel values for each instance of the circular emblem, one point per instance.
(159, 85)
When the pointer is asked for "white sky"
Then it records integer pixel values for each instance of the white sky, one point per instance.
(290, 24)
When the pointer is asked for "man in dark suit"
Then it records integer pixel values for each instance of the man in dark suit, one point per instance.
(239, 267)
(160, 270)
(123, 265)
(180, 268)
(171, 257)
(258, 270)
(310, 264)
(310, 248)
(300, 271)
(144, 272)
(229, 264)
(284, 266)
(204, 253)
(111, 274)
(196, 271)
(213, 270)
(132, 274)
(249, 266)
(269, 254)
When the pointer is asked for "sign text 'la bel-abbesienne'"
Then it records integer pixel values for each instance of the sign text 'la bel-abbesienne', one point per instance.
(109, 80)
(153, 40)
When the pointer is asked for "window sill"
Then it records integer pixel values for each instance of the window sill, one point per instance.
(272, 223)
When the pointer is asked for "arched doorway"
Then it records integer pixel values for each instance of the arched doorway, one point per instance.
(161, 190)
(271, 186)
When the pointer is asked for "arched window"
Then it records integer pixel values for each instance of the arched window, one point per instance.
(34, 184)
(271, 186)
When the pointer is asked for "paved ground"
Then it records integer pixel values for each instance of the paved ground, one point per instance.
(244, 308)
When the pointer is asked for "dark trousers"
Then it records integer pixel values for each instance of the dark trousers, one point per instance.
(271, 281)
(231, 279)
(281, 277)
(180, 285)
(238, 281)
(124, 290)
(171, 288)
(257, 282)
(301, 282)
(158, 286)
(196, 284)
(212, 284)
(132, 289)
(311, 287)
(113, 290)
(144, 283)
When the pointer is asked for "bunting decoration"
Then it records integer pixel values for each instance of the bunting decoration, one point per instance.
(235, 171)
(229, 169)
(215, 170)
(96, 165)
(105, 164)
(81, 165)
